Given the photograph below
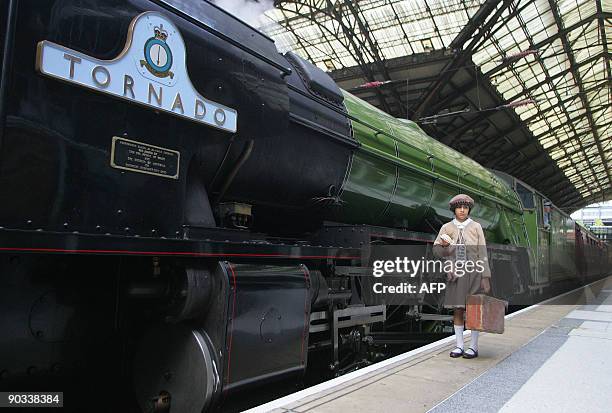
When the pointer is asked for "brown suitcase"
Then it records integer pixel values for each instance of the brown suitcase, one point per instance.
(485, 313)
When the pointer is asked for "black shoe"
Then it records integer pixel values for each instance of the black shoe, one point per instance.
(454, 354)
(470, 353)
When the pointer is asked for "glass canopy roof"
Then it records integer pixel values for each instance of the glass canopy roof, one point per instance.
(551, 54)
(398, 28)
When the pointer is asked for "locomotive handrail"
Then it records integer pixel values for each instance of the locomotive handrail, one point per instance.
(347, 140)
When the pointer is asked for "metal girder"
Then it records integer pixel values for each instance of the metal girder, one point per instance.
(551, 175)
(474, 30)
(535, 170)
(568, 116)
(569, 121)
(526, 121)
(314, 9)
(474, 24)
(298, 38)
(570, 175)
(603, 195)
(583, 97)
(560, 145)
(565, 182)
(401, 26)
(350, 35)
(482, 115)
(521, 124)
(469, 85)
(529, 160)
(567, 191)
(565, 178)
(378, 59)
(312, 13)
(526, 92)
(432, 17)
(279, 4)
(601, 163)
(571, 197)
(538, 45)
(551, 39)
(549, 149)
(525, 169)
(548, 79)
(356, 46)
(602, 33)
(558, 173)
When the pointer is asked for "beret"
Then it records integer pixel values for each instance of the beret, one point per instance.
(461, 199)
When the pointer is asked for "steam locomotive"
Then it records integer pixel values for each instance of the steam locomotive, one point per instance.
(184, 209)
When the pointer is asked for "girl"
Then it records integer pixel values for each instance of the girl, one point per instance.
(462, 239)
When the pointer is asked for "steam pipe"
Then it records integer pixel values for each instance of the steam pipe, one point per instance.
(244, 156)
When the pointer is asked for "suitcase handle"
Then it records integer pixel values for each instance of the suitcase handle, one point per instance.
(480, 292)
(490, 293)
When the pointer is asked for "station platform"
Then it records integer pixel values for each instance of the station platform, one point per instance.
(554, 356)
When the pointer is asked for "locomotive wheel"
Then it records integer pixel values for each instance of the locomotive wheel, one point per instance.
(174, 370)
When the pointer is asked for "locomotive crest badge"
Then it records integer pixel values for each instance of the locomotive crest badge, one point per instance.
(151, 71)
(157, 53)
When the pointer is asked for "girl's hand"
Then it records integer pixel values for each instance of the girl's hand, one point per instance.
(485, 285)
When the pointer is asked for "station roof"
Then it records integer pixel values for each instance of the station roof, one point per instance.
(522, 86)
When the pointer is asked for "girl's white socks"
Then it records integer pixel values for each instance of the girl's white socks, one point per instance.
(474, 340)
(459, 336)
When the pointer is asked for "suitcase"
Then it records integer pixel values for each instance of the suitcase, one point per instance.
(485, 313)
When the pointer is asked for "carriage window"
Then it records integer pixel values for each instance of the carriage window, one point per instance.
(526, 196)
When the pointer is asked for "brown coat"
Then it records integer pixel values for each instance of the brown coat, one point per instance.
(473, 237)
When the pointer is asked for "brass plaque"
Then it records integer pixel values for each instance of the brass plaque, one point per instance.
(144, 158)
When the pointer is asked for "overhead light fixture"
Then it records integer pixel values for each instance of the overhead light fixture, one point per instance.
(376, 83)
(513, 57)
(329, 64)
(518, 103)
(427, 45)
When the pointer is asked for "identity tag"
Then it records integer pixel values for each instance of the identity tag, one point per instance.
(460, 252)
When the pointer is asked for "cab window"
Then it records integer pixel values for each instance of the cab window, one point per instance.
(525, 195)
